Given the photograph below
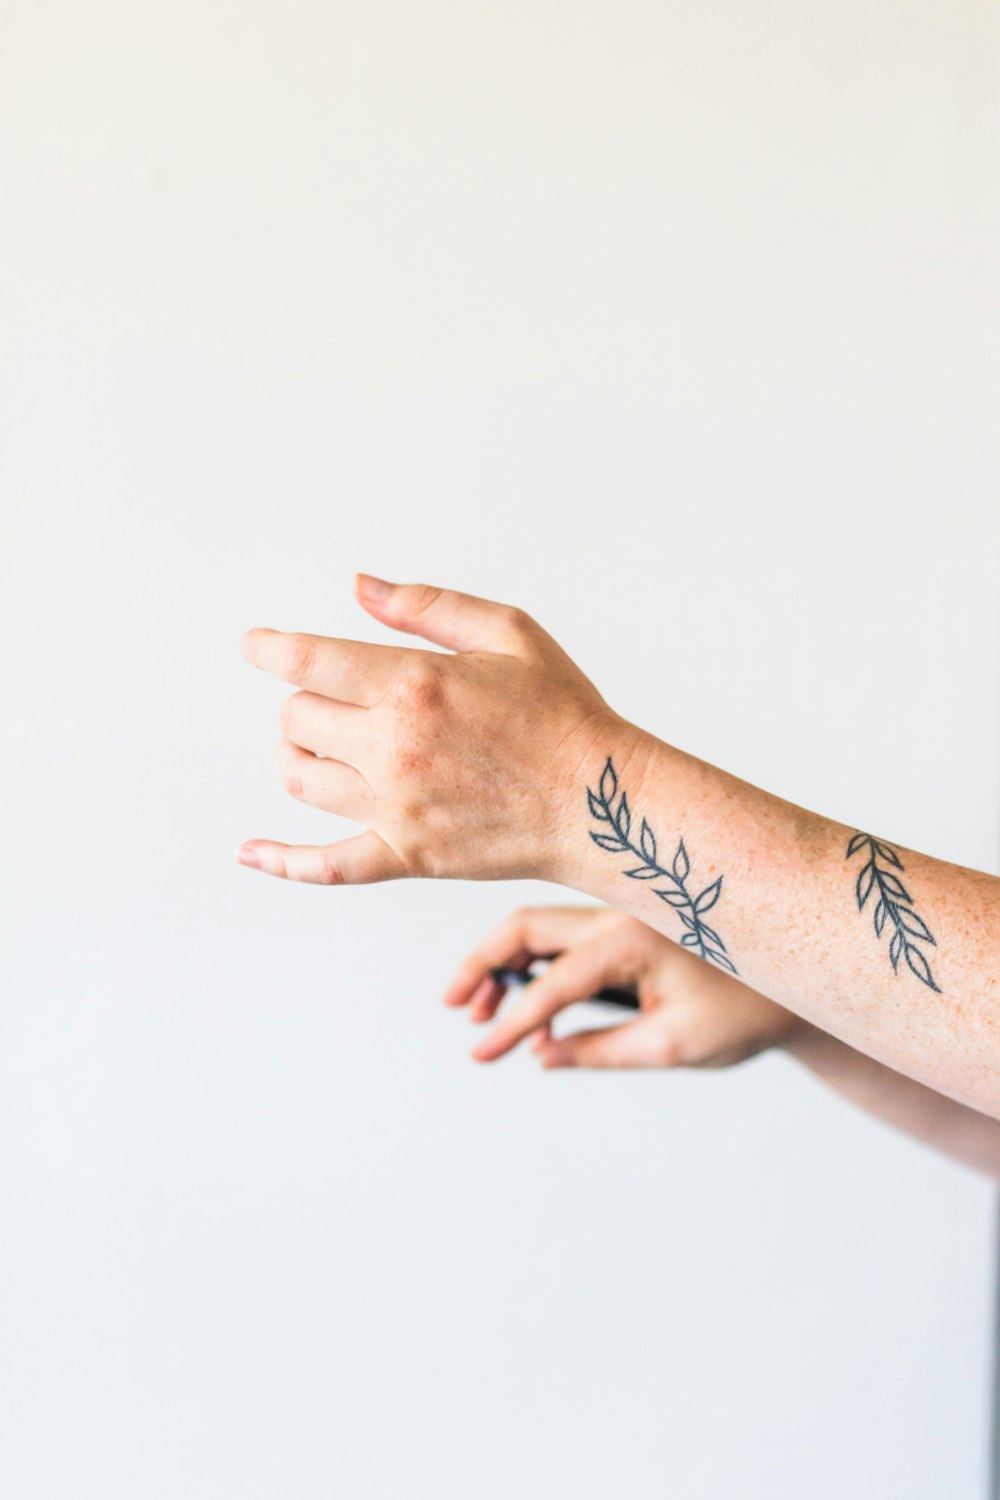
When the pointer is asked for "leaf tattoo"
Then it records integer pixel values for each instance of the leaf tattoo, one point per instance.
(610, 807)
(894, 905)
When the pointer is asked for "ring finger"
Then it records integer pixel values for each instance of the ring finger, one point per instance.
(325, 726)
(327, 784)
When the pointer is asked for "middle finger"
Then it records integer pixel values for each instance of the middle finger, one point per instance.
(325, 727)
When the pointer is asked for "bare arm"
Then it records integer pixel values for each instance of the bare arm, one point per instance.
(691, 1015)
(894, 952)
(501, 760)
(962, 1133)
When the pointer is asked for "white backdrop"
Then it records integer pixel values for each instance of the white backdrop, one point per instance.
(671, 323)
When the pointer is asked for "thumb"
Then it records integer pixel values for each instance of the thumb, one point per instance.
(358, 860)
(461, 622)
(632, 1044)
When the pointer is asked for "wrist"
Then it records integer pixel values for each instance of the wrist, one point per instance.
(608, 739)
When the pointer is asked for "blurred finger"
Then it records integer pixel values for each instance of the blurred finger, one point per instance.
(530, 932)
(636, 1044)
(485, 1000)
(576, 974)
(538, 1040)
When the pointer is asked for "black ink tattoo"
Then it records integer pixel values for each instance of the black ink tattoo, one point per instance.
(894, 905)
(700, 938)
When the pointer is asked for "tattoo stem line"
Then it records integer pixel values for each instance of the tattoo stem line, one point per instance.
(699, 936)
(894, 905)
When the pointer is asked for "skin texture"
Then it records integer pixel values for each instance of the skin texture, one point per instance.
(486, 761)
(413, 739)
(691, 1015)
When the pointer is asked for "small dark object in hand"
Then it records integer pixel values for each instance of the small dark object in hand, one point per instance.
(627, 999)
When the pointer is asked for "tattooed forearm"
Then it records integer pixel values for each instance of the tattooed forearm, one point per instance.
(699, 937)
(894, 905)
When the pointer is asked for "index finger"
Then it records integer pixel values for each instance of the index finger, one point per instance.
(351, 671)
(532, 932)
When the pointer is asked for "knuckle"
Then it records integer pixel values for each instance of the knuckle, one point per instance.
(534, 1012)
(300, 656)
(421, 687)
(426, 694)
(470, 967)
(407, 761)
(517, 620)
(520, 925)
(419, 861)
(423, 597)
(288, 770)
(413, 813)
(668, 1052)
(331, 870)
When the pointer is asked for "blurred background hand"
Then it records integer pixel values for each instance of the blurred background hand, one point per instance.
(691, 1014)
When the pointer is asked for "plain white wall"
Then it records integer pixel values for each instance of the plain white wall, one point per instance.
(671, 323)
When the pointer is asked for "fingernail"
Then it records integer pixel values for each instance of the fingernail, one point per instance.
(373, 588)
(249, 857)
(245, 642)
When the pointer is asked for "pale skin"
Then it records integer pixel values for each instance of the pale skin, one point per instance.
(474, 763)
(691, 1015)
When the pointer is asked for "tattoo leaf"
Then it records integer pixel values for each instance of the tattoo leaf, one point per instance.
(709, 896)
(673, 898)
(865, 882)
(596, 809)
(682, 865)
(894, 905)
(618, 840)
(893, 885)
(723, 960)
(608, 841)
(918, 963)
(915, 926)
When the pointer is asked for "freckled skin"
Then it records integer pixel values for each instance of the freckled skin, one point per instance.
(811, 833)
(473, 762)
(690, 1015)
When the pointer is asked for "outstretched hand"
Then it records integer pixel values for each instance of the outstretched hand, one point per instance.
(459, 765)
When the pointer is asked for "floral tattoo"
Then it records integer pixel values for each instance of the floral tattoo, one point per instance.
(616, 838)
(894, 905)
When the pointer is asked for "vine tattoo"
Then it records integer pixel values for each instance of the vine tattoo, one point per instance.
(699, 937)
(894, 905)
